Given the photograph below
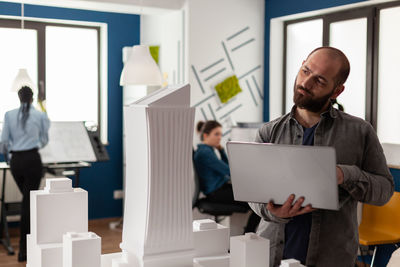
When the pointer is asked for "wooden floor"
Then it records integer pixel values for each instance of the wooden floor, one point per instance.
(110, 240)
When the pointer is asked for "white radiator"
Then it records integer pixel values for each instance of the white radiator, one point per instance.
(12, 193)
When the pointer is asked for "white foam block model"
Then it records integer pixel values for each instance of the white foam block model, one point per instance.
(43, 255)
(249, 250)
(106, 259)
(58, 209)
(210, 238)
(291, 263)
(157, 227)
(205, 224)
(81, 250)
(214, 261)
(58, 185)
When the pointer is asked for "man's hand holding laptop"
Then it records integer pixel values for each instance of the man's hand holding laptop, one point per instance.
(290, 209)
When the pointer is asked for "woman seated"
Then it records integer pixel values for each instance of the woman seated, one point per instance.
(214, 172)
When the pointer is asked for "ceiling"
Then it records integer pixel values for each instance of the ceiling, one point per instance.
(120, 6)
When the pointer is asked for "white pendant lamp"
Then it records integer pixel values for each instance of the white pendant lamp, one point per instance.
(22, 79)
(140, 68)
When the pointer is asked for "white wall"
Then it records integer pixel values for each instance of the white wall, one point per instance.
(230, 23)
(166, 30)
(203, 32)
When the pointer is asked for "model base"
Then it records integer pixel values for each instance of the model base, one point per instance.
(177, 259)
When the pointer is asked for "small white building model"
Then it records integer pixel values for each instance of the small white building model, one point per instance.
(81, 250)
(157, 230)
(56, 210)
(291, 263)
(210, 238)
(213, 261)
(249, 250)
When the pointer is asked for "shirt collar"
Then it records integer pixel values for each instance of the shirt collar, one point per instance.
(331, 112)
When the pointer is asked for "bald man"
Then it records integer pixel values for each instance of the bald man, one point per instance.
(324, 238)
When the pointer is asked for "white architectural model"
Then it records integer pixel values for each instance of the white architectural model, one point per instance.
(56, 210)
(211, 244)
(157, 229)
(214, 261)
(81, 250)
(249, 250)
(291, 263)
(210, 238)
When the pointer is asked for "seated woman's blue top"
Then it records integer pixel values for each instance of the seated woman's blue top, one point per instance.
(213, 172)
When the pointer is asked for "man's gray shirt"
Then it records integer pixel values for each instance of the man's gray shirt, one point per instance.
(334, 234)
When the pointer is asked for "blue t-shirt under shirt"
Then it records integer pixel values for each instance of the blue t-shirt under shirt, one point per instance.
(297, 230)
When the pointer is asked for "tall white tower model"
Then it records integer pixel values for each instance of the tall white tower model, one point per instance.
(157, 228)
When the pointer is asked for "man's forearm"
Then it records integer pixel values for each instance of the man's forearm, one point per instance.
(260, 210)
(375, 189)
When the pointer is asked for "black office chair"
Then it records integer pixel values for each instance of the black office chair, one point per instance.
(218, 210)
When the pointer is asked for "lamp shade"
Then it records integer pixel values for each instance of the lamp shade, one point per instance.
(22, 79)
(140, 68)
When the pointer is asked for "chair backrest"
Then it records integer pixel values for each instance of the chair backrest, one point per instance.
(196, 191)
(383, 217)
(4, 151)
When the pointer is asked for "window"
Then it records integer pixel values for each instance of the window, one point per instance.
(72, 74)
(370, 38)
(389, 71)
(18, 49)
(350, 36)
(63, 60)
(302, 37)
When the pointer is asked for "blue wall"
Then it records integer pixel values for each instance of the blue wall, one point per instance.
(123, 30)
(275, 8)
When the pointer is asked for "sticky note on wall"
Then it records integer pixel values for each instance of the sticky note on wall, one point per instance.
(228, 88)
(155, 52)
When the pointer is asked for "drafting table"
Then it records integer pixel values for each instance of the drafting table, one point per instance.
(14, 208)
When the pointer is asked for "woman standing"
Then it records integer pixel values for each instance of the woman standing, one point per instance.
(214, 174)
(25, 130)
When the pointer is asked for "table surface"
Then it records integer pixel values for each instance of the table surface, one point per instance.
(82, 164)
(4, 165)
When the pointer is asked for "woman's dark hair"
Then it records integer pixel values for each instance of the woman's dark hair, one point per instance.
(206, 127)
(25, 95)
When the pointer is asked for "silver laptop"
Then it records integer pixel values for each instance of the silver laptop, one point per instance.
(264, 172)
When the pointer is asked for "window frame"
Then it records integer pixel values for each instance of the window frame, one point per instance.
(372, 13)
(40, 27)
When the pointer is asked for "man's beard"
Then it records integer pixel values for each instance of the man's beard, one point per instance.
(308, 102)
